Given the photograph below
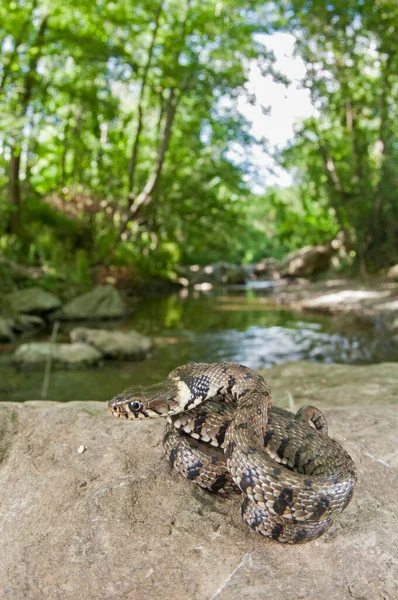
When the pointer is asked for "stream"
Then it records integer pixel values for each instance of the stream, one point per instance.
(238, 326)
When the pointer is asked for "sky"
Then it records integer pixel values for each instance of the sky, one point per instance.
(288, 105)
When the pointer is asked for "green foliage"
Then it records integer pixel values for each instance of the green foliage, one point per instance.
(118, 120)
(346, 156)
(101, 99)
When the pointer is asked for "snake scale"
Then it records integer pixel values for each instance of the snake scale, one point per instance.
(224, 435)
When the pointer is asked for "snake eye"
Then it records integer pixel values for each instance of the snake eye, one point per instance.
(134, 406)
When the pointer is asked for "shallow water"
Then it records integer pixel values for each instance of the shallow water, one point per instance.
(238, 326)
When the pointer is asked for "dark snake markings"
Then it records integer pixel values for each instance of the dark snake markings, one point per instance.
(223, 434)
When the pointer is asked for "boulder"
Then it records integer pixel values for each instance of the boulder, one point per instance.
(6, 333)
(33, 300)
(25, 323)
(268, 268)
(348, 298)
(90, 508)
(307, 261)
(103, 302)
(393, 273)
(228, 273)
(129, 345)
(76, 356)
(18, 324)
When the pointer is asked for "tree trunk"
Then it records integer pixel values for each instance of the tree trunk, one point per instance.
(376, 230)
(78, 151)
(14, 183)
(134, 155)
(62, 171)
(7, 68)
(145, 196)
(14, 191)
(384, 137)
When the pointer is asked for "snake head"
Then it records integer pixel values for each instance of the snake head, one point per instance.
(149, 402)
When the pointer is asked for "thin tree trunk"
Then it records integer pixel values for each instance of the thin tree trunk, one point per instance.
(31, 74)
(62, 175)
(78, 153)
(336, 192)
(14, 183)
(15, 192)
(160, 119)
(384, 131)
(7, 68)
(145, 196)
(375, 229)
(134, 155)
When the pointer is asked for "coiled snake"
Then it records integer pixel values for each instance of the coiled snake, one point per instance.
(223, 434)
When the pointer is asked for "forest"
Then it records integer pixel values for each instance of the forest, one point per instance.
(122, 143)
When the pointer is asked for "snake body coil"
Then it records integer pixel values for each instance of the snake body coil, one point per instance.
(223, 434)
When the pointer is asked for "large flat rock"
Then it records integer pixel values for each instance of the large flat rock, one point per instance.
(127, 345)
(35, 354)
(372, 302)
(113, 521)
(297, 383)
(103, 302)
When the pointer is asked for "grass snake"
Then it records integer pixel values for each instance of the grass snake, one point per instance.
(224, 435)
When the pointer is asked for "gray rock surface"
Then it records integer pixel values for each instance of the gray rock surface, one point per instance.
(355, 299)
(18, 324)
(23, 323)
(33, 300)
(307, 261)
(326, 385)
(393, 273)
(267, 268)
(103, 302)
(6, 333)
(90, 509)
(129, 345)
(76, 356)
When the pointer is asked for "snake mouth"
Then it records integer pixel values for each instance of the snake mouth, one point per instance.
(117, 407)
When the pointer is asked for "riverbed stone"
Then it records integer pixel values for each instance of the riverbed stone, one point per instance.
(76, 356)
(90, 509)
(129, 345)
(103, 302)
(338, 296)
(33, 300)
(307, 261)
(392, 273)
(25, 323)
(6, 333)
